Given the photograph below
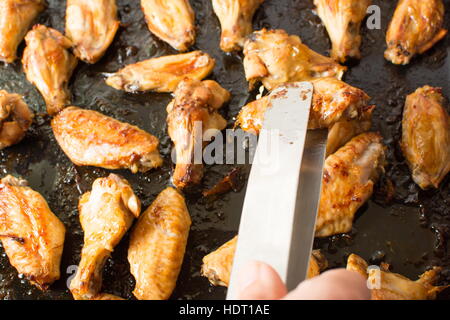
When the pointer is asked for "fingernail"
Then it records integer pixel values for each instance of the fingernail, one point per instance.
(250, 274)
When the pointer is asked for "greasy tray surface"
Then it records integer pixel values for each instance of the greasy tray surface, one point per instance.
(411, 232)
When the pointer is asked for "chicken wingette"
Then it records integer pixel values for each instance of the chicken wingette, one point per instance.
(106, 213)
(157, 246)
(173, 21)
(416, 26)
(426, 136)
(193, 112)
(91, 26)
(218, 264)
(342, 19)
(275, 57)
(31, 234)
(386, 285)
(15, 119)
(348, 181)
(162, 74)
(90, 138)
(16, 17)
(235, 17)
(48, 65)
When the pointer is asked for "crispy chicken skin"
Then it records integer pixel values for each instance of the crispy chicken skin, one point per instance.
(333, 101)
(235, 17)
(218, 264)
(173, 21)
(92, 26)
(426, 136)
(90, 138)
(348, 181)
(195, 107)
(32, 236)
(162, 74)
(157, 246)
(106, 213)
(15, 119)
(392, 286)
(416, 26)
(342, 19)
(16, 17)
(274, 57)
(48, 65)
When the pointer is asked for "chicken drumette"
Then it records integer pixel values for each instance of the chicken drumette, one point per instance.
(192, 113)
(274, 57)
(173, 21)
(342, 19)
(106, 213)
(162, 74)
(32, 236)
(16, 17)
(15, 119)
(236, 20)
(90, 138)
(416, 26)
(91, 25)
(48, 64)
(426, 136)
(157, 246)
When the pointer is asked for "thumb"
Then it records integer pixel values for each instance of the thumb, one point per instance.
(259, 281)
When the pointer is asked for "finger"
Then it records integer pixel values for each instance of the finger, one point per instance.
(258, 281)
(338, 284)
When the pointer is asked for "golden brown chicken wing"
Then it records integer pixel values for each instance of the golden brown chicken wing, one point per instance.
(91, 26)
(157, 246)
(32, 236)
(90, 138)
(236, 20)
(426, 136)
(218, 264)
(15, 119)
(193, 112)
(106, 213)
(416, 26)
(16, 17)
(333, 101)
(162, 74)
(274, 57)
(348, 181)
(342, 19)
(392, 286)
(173, 21)
(48, 65)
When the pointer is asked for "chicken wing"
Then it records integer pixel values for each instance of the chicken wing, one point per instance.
(193, 112)
(392, 286)
(48, 65)
(15, 119)
(90, 138)
(157, 246)
(426, 136)
(342, 19)
(16, 17)
(162, 74)
(32, 236)
(348, 181)
(106, 213)
(416, 26)
(274, 57)
(218, 264)
(173, 21)
(333, 101)
(91, 26)
(236, 20)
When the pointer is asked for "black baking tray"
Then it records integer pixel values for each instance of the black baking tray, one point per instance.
(410, 231)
